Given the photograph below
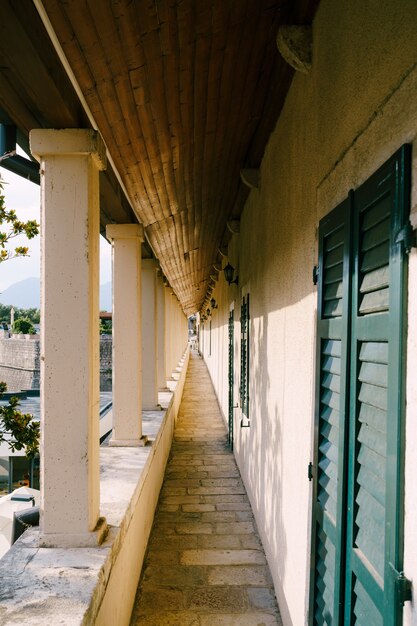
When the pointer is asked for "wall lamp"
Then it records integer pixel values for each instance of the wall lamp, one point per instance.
(229, 271)
(213, 303)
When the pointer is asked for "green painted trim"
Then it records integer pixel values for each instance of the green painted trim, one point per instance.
(244, 359)
(231, 348)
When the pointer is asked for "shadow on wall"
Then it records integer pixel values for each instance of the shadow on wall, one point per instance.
(261, 461)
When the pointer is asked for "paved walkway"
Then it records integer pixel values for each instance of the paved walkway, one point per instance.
(205, 564)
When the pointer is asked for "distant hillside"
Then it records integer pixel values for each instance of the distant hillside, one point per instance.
(26, 295)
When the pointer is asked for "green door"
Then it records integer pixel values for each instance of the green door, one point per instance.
(357, 517)
(231, 377)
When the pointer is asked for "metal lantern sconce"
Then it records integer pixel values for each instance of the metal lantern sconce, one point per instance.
(213, 303)
(229, 271)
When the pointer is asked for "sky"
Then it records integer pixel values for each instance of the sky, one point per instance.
(24, 197)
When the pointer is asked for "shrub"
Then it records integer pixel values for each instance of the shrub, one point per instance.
(24, 430)
(23, 326)
(105, 327)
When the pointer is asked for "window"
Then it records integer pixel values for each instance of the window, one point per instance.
(244, 360)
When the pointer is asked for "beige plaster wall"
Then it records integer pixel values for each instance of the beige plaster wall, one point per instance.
(338, 125)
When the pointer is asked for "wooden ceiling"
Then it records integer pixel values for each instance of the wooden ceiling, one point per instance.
(185, 94)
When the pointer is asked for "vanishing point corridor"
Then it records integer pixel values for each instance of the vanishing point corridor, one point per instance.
(205, 564)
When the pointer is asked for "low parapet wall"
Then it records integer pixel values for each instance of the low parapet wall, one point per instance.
(86, 586)
(20, 362)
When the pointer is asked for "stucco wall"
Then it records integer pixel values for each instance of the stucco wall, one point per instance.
(338, 125)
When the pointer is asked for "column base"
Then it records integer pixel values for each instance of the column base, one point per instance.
(75, 540)
(129, 443)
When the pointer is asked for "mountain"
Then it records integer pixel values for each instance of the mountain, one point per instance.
(26, 294)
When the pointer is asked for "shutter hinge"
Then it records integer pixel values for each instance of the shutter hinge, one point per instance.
(402, 586)
(315, 274)
(407, 236)
(310, 472)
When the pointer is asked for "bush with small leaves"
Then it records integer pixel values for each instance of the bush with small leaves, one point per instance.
(23, 326)
(19, 429)
(15, 227)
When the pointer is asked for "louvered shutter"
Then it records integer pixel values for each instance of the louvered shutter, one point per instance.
(330, 415)
(374, 549)
(357, 516)
(231, 377)
(244, 358)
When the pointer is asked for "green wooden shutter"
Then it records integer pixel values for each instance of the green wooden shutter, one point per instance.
(374, 523)
(244, 360)
(357, 541)
(330, 416)
(231, 378)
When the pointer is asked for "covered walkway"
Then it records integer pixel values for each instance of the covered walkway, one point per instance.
(205, 564)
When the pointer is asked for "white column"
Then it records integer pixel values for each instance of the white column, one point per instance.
(149, 336)
(161, 348)
(70, 161)
(127, 334)
(168, 333)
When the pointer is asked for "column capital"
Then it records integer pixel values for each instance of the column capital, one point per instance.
(125, 231)
(68, 142)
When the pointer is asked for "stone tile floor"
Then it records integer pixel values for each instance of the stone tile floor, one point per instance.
(205, 564)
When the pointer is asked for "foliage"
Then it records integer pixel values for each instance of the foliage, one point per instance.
(33, 314)
(14, 228)
(105, 327)
(23, 326)
(24, 430)
(21, 427)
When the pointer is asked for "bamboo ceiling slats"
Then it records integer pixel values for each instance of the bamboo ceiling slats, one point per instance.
(185, 63)
(180, 91)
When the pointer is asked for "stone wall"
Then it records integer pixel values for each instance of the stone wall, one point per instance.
(105, 362)
(20, 363)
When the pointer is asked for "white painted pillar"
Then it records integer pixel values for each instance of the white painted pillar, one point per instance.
(178, 352)
(168, 333)
(175, 333)
(70, 161)
(126, 242)
(161, 348)
(149, 336)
